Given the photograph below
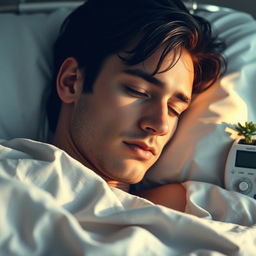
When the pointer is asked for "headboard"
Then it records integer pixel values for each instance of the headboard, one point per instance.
(48, 6)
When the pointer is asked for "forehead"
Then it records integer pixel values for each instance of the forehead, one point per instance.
(181, 74)
(175, 59)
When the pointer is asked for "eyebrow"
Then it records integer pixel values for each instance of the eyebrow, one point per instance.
(149, 78)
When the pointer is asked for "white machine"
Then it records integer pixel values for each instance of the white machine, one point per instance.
(240, 171)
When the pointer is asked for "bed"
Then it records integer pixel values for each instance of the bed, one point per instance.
(47, 210)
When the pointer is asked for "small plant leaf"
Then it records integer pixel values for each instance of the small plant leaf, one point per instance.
(247, 131)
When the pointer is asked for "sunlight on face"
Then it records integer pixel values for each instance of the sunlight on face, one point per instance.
(122, 127)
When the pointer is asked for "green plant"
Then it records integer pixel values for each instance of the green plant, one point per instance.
(247, 131)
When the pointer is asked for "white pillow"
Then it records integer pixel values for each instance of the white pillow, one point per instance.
(25, 72)
(199, 149)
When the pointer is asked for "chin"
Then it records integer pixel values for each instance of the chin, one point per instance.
(130, 172)
(133, 179)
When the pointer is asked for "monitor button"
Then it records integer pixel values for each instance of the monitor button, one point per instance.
(243, 186)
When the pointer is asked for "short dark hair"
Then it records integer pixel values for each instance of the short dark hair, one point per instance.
(100, 28)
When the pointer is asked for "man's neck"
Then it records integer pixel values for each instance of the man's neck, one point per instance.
(116, 184)
(71, 150)
(68, 146)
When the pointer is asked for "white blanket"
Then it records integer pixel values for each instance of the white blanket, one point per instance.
(52, 205)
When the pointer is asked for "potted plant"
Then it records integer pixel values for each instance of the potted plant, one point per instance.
(241, 161)
(247, 131)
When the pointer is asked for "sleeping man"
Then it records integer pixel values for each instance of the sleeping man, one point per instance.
(125, 71)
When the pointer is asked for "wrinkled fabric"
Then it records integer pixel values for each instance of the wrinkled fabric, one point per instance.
(53, 205)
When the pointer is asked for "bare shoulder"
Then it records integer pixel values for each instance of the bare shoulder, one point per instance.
(169, 195)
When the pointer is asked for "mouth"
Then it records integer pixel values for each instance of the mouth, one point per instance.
(140, 150)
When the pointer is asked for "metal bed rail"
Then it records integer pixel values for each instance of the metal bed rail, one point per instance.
(194, 6)
(26, 8)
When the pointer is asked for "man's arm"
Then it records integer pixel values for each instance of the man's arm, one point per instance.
(170, 195)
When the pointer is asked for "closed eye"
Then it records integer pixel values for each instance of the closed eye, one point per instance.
(135, 93)
(173, 111)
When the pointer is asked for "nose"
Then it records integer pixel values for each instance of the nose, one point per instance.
(156, 121)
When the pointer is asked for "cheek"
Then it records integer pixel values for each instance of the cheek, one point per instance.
(119, 114)
(116, 121)
(99, 122)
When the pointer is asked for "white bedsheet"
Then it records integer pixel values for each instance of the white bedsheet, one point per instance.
(52, 205)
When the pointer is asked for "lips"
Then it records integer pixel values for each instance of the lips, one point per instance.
(141, 150)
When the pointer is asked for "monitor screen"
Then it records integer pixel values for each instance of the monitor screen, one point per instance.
(245, 159)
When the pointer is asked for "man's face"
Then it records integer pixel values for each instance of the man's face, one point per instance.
(121, 128)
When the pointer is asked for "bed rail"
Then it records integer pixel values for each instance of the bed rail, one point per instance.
(26, 8)
(192, 6)
(23, 7)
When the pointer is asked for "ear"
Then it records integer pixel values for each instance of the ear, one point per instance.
(69, 81)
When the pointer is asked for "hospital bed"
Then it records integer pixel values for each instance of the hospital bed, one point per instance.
(60, 217)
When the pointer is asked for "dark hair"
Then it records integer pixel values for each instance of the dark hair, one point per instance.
(100, 28)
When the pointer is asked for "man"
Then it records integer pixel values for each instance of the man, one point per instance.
(125, 72)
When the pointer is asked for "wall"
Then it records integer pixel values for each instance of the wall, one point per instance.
(242, 5)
